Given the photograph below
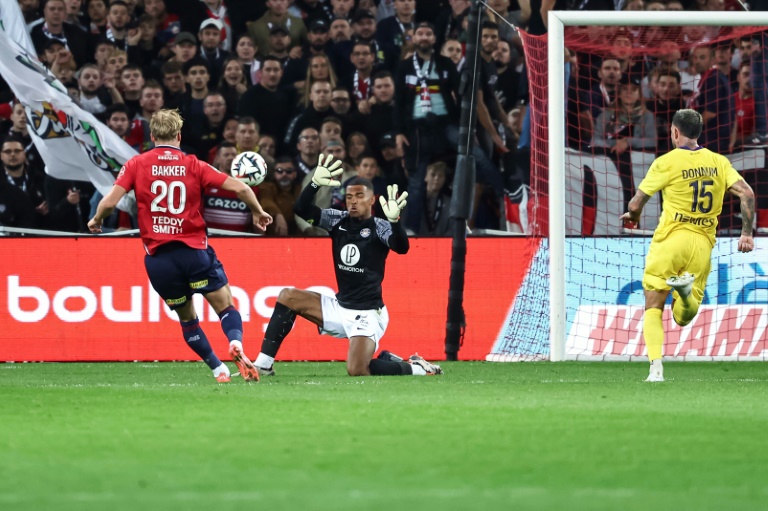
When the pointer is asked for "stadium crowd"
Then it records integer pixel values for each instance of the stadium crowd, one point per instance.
(374, 82)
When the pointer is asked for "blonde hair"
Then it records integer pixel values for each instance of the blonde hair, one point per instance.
(165, 125)
(310, 80)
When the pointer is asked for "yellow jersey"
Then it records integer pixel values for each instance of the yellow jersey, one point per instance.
(692, 184)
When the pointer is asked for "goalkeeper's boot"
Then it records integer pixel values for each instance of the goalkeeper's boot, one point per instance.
(683, 284)
(388, 355)
(247, 370)
(431, 369)
(656, 374)
(266, 371)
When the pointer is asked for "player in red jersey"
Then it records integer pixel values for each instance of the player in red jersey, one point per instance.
(169, 186)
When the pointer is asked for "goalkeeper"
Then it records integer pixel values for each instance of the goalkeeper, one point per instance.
(360, 244)
(693, 182)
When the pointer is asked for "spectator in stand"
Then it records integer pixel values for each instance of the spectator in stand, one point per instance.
(318, 43)
(713, 101)
(592, 102)
(315, 10)
(135, 132)
(17, 173)
(391, 30)
(268, 146)
(314, 115)
(60, 61)
(103, 48)
(364, 30)
(424, 105)
(167, 25)
(229, 134)
(223, 209)
(744, 101)
(218, 11)
(97, 17)
(320, 70)
(330, 129)
(266, 102)
(151, 100)
(245, 51)
(368, 168)
(359, 81)
(150, 47)
(277, 15)
(196, 76)
(437, 207)
(723, 58)
(453, 50)
(309, 151)
(375, 117)
(449, 24)
(509, 79)
(342, 8)
(173, 84)
(667, 101)
(341, 104)
(132, 78)
(30, 9)
(74, 15)
(16, 210)
(210, 39)
(20, 130)
(391, 162)
(68, 202)
(184, 48)
(54, 27)
(118, 31)
(233, 83)
(203, 136)
(357, 145)
(280, 44)
(95, 95)
(621, 48)
(341, 30)
(247, 136)
(278, 194)
(624, 126)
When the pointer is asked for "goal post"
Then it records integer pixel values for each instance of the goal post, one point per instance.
(576, 259)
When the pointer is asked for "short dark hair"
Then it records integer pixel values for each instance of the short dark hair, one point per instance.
(13, 138)
(689, 122)
(247, 119)
(357, 180)
(152, 84)
(271, 57)
(117, 2)
(283, 159)
(171, 68)
(195, 62)
(116, 108)
(132, 67)
(381, 75)
(489, 25)
(673, 74)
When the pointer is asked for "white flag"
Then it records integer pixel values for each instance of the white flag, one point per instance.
(12, 23)
(73, 144)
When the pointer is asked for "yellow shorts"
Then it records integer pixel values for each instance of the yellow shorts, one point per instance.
(680, 251)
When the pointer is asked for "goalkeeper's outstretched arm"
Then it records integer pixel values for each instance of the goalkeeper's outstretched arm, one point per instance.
(305, 204)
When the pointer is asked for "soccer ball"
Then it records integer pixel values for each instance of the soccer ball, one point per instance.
(249, 167)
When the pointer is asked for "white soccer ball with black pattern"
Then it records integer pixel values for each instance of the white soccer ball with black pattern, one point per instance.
(249, 167)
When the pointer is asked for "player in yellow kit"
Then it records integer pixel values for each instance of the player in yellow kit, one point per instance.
(693, 182)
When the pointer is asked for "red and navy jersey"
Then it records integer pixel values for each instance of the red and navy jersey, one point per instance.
(223, 210)
(169, 187)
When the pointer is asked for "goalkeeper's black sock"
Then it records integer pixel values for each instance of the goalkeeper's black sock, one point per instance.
(379, 367)
(197, 340)
(280, 325)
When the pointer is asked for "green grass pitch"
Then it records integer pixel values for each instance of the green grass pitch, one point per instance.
(575, 436)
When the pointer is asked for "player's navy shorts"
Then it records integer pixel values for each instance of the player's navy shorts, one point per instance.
(177, 271)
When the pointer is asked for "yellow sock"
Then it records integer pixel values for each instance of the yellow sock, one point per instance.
(653, 333)
(684, 313)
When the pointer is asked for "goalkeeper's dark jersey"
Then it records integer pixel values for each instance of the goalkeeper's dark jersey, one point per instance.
(360, 249)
